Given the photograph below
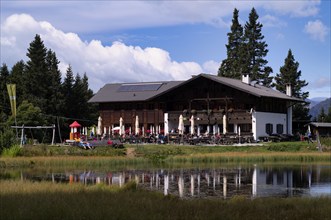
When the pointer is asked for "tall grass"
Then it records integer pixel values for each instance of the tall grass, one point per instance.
(41, 200)
(71, 162)
(49, 150)
(13, 151)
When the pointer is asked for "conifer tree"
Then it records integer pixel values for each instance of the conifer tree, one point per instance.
(4, 98)
(289, 74)
(55, 100)
(17, 77)
(92, 112)
(232, 66)
(256, 51)
(68, 92)
(36, 85)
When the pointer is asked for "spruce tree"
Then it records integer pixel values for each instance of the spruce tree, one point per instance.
(17, 77)
(69, 97)
(232, 66)
(256, 51)
(4, 98)
(289, 74)
(55, 97)
(36, 78)
(92, 112)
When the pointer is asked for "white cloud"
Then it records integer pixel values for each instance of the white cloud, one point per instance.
(272, 21)
(321, 82)
(293, 8)
(317, 30)
(91, 16)
(103, 64)
(211, 66)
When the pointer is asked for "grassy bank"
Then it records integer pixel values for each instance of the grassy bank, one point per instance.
(132, 155)
(40, 200)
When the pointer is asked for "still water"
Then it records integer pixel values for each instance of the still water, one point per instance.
(218, 182)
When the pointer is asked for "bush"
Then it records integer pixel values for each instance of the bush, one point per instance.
(7, 138)
(13, 151)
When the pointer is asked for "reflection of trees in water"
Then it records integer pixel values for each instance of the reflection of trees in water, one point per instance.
(202, 183)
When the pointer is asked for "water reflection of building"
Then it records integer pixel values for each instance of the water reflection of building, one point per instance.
(287, 182)
(201, 183)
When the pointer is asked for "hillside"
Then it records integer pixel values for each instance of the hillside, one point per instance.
(316, 109)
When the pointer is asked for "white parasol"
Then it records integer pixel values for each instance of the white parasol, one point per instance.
(121, 126)
(137, 125)
(192, 124)
(224, 124)
(99, 126)
(181, 125)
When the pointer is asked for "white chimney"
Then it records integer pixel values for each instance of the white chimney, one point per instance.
(245, 78)
(288, 89)
(289, 109)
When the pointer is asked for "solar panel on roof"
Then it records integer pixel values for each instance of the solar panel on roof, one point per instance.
(139, 87)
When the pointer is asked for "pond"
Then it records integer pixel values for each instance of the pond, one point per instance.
(223, 182)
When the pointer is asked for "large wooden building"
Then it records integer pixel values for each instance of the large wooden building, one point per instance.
(217, 104)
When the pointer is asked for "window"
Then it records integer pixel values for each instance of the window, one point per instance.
(245, 127)
(280, 129)
(269, 128)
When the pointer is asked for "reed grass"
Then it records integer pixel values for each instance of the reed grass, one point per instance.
(72, 162)
(240, 157)
(50, 150)
(41, 200)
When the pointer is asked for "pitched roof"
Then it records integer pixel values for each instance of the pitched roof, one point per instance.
(254, 89)
(146, 91)
(125, 92)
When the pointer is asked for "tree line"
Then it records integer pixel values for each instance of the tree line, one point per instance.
(246, 54)
(41, 95)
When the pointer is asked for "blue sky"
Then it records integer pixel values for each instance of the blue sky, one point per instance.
(130, 41)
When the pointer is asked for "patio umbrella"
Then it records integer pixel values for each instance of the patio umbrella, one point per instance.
(99, 126)
(181, 124)
(137, 125)
(224, 124)
(121, 126)
(192, 124)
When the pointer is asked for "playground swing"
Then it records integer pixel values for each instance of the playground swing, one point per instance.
(35, 127)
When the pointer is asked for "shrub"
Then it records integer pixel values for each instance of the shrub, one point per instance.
(7, 138)
(13, 151)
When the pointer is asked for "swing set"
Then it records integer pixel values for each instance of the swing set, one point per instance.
(35, 127)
